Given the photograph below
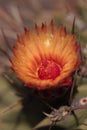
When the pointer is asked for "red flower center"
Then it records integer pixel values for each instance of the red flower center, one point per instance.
(48, 70)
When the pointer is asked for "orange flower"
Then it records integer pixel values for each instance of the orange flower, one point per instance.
(46, 57)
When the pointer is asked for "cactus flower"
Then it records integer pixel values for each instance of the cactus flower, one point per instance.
(46, 57)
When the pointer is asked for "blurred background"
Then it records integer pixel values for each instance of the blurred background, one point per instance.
(14, 16)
